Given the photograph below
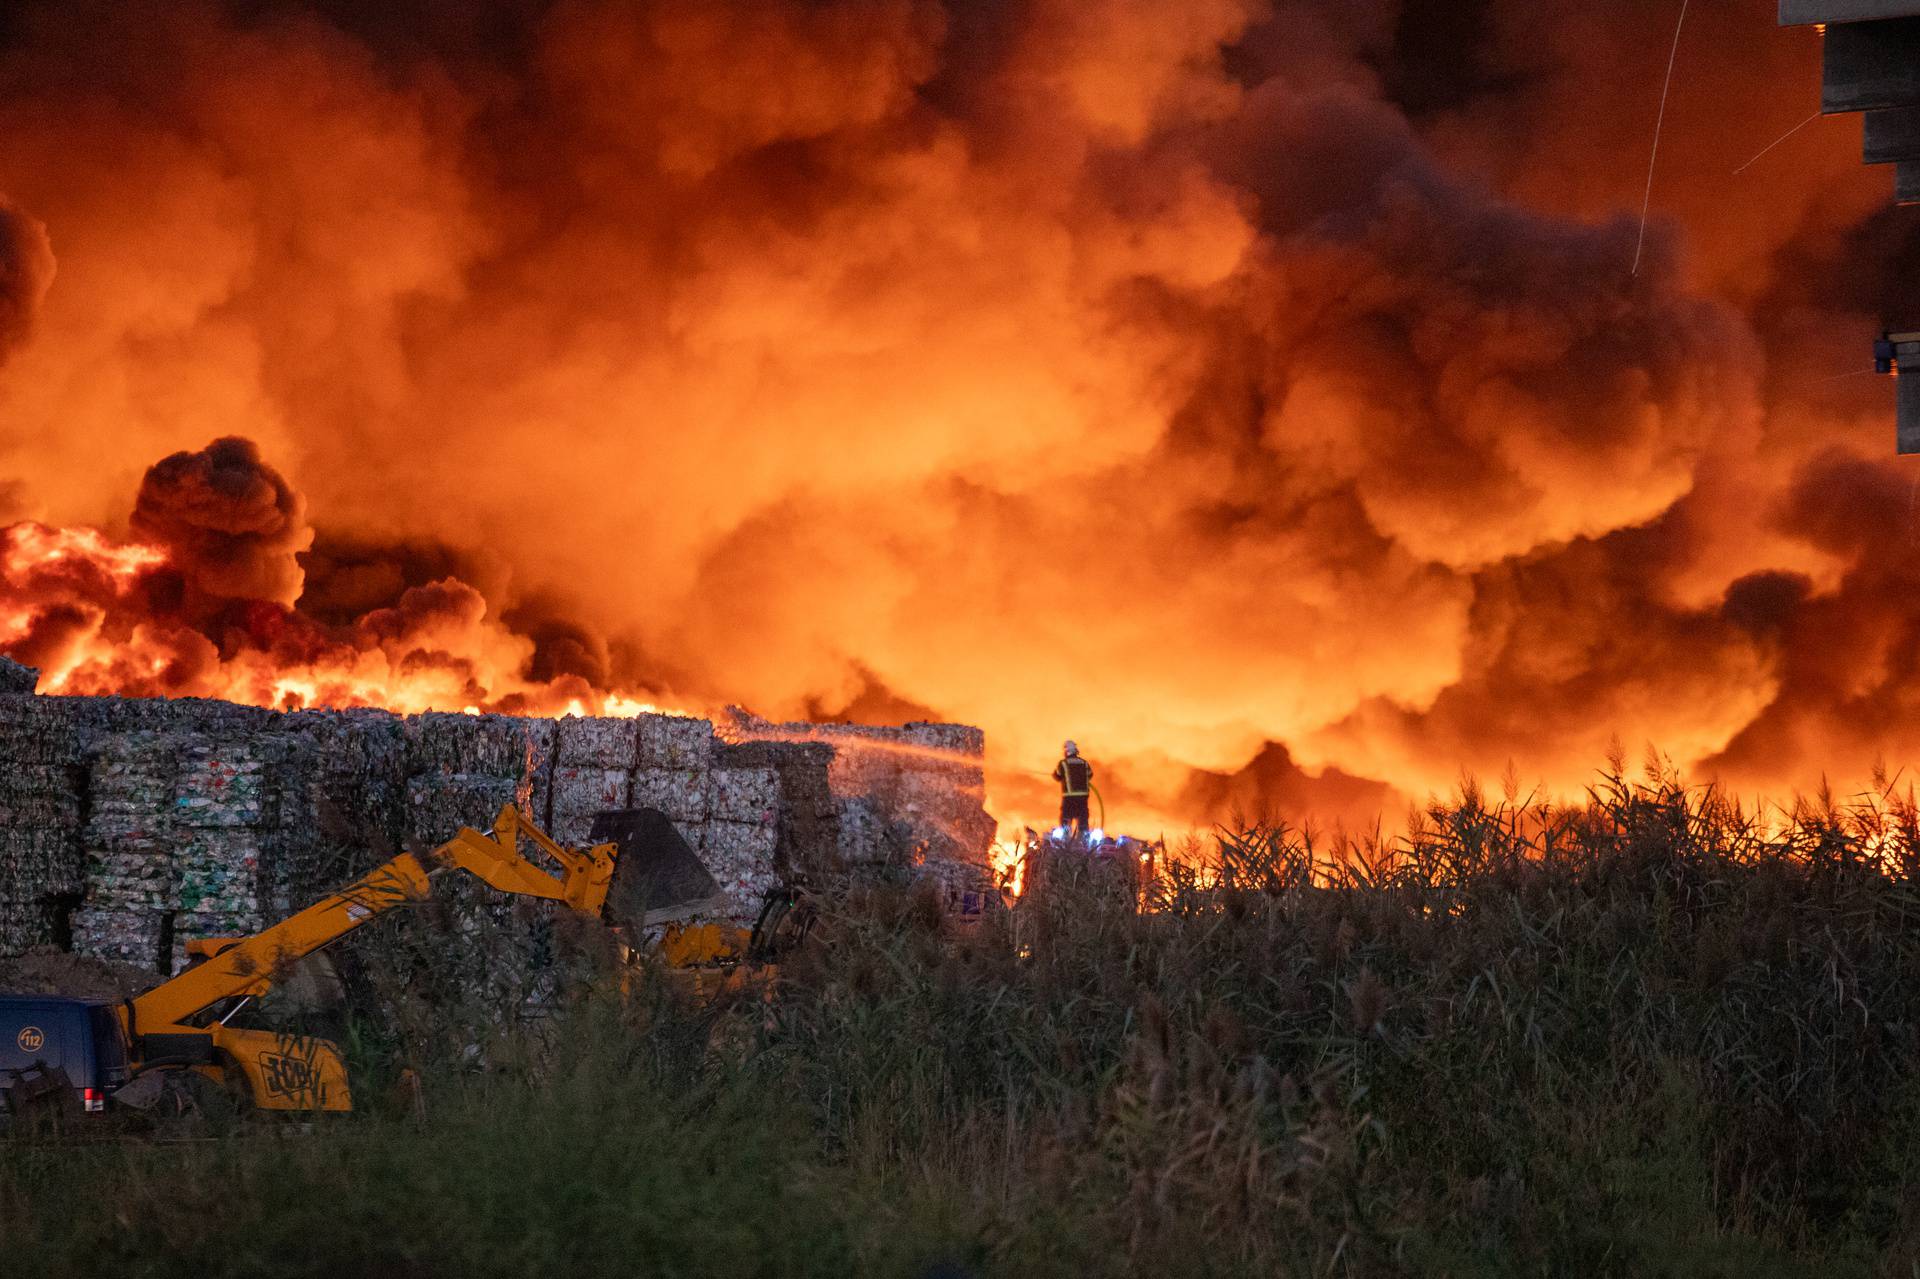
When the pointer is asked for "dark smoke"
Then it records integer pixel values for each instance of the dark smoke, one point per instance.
(230, 523)
(1258, 393)
(26, 272)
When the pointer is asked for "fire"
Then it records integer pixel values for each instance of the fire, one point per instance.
(1009, 860)
(81, 605)
(1258, 398)
(32, 547)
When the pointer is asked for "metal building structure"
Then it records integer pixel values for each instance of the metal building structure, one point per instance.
(1871, 64)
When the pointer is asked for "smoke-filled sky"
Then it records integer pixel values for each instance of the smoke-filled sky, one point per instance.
(1260, 393)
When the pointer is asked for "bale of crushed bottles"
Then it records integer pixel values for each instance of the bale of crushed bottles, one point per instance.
(439, 804)
(342, 800)
(489, 745)
(740, 857)
(864, 836)
(745, 794)
(597, 742)
(142, 938)
(16, 677)
(132, 879)
(580, 792)
(42, 858)
(27, 924)
(673, 743)
(679, 793)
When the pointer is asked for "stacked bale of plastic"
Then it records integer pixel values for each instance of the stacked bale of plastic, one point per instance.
(901, 795)
(132, 882)
(740, 841)
(593, 763)
(672, 759)
(673, 756)
(805, 819)
(110, 716)
(342, 802)
(42, 864)
(941, 791)
(461, 769)
(864, 838)
(17, 679)
(225, 824)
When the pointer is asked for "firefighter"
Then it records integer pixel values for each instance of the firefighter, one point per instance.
(1075, 776)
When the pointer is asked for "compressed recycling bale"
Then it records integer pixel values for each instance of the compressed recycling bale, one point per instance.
(40, 795)
(439, 804)
(959, 740)
(679, 793)
(491, 745)
(123, 936)
(342, 802)
(743, 795)
(112, 717)
(807, 824)
(223, 784)
(805, 785)
(802, 767)
(42, 730)
(24, 925)
(16, 677)
(864, 837)
(37, 862)
(129, 832)
(580, 793)
(596, 742)
(219, 871)
(740, 857)
(197, 925)
(130, 874)
(860, 768)
(674, 742)
(809, 844)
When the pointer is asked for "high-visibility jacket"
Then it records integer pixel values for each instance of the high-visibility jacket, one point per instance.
(1074, 774)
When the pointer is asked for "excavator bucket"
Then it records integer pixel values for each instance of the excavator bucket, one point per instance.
(657, 877)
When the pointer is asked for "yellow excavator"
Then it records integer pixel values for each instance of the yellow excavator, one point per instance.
(79, 1053)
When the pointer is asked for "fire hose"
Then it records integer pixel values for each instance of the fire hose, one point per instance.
(1102, 823)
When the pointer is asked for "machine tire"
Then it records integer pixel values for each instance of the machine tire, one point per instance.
(787, 915)
(191, 1105)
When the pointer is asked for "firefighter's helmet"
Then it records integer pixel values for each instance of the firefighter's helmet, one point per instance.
(1072, 749)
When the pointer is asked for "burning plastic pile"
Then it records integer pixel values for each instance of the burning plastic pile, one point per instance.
(129, 826)
(913, 794)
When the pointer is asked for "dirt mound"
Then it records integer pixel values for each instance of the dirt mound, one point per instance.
(45, 971)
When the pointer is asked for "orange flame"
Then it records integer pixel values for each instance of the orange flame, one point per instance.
(71, 603)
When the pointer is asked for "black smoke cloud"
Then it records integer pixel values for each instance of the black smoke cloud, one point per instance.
(26, 272)
(231, 524)
(1258, 392)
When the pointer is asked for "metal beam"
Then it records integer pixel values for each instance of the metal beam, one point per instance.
(1871, 66)
(1800, 13)
(1891, 136)
(1906, 182)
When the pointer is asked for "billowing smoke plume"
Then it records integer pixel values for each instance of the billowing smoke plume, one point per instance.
(231, 526)
(26, 269)
(1262, 394)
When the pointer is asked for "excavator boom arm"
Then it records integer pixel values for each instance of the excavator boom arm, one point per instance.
(248, 967)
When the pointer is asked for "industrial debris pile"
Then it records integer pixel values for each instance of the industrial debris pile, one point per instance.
(130, 826)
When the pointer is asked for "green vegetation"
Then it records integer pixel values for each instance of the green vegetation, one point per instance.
(1646, 1035)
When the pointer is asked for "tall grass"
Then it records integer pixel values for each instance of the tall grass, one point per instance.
(1653, 1033)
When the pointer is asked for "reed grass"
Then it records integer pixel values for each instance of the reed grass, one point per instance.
(1655, 1032)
